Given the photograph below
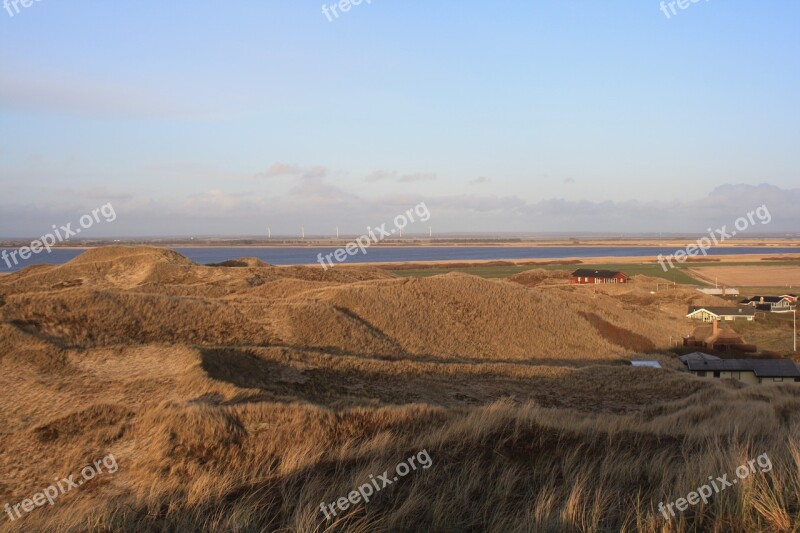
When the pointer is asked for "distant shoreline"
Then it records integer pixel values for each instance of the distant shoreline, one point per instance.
(445, 243)
(532, 262)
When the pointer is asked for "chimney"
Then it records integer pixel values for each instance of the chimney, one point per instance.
(715, 325)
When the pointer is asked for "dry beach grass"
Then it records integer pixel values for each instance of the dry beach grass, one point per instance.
(240, 397)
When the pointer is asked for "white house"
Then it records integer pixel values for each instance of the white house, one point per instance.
(775, 304)
(710, 314)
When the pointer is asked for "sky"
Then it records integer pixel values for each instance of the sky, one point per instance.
(228, 118)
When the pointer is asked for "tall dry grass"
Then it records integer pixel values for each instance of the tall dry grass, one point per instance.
(501, 467)
(244, 407)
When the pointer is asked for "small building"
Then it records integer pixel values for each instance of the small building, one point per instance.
(720, 291)
(646, 364)
(712, 337)
(773, 304)
(698, 356)
(588, 276)
(710, 314)
(753, 371)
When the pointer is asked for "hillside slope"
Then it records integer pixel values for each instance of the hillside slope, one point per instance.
(237, 398)
(120, 295)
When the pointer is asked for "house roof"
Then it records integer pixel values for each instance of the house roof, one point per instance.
(651, 364)
(725, 336)
(763, 368)
(698, 356)
(718, 290)
(724, 311)
(701, 333)
(589, 273)
(767, 299)
(705, 333)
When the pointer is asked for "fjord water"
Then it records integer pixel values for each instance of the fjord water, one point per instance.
(308, 255)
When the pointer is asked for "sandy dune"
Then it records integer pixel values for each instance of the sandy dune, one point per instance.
(237, 398)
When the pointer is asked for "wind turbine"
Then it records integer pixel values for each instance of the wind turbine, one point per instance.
(302, 232)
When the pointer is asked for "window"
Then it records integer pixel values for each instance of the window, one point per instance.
(716, 374)
(777, 379)
(702, 374)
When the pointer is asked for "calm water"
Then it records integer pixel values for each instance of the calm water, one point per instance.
(293, 256)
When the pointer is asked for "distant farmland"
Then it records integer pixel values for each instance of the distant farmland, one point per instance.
(763, 275)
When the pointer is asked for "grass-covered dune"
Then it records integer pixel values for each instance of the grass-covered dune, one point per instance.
(242, 397)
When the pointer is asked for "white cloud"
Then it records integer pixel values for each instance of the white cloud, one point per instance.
(381, 175)
(285, 169)
(410, 178)
(393, 175)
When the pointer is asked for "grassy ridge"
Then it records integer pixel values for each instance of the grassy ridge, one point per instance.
(632, 269)
(677, 275)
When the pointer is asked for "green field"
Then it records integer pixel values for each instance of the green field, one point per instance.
(632, 269)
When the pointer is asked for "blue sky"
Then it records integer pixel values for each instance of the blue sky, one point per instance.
(227, 117)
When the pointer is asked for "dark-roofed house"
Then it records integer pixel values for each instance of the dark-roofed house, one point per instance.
(775, 304)
(710, 314)
(587, 275)
(753, 371)
(698, 356)
(712, 337)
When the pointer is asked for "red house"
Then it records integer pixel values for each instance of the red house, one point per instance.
(586, 275)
